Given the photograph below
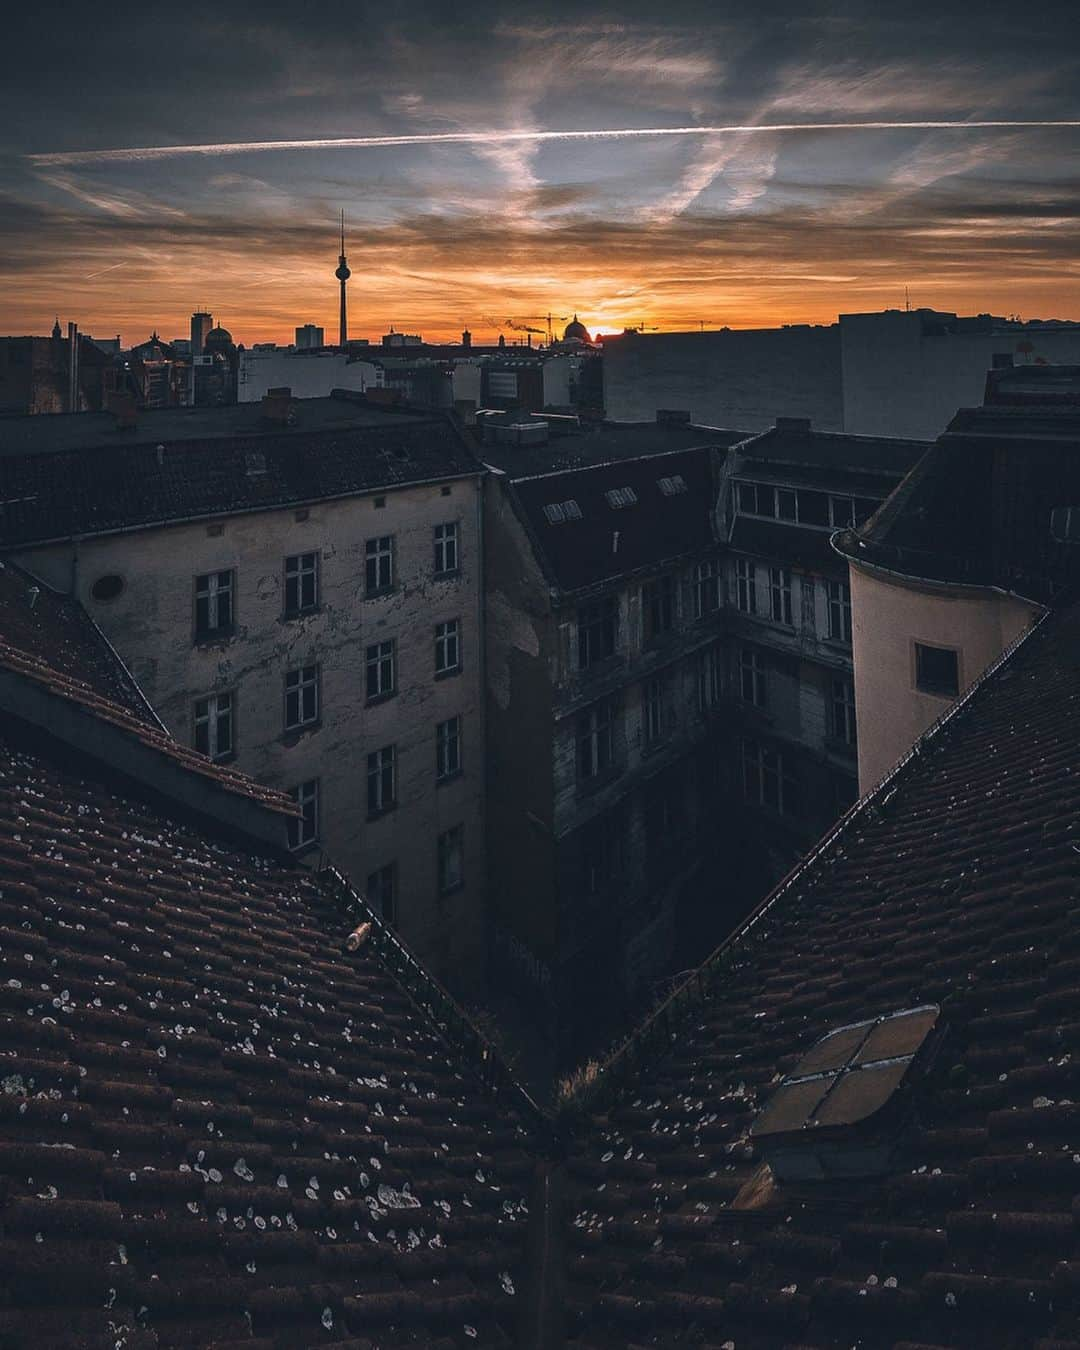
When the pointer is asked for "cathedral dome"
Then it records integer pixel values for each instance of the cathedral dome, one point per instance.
(576, 332)
(218, 337)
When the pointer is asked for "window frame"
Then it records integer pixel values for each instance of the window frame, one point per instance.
(299, 684)
(705, 588)
(381, 781)
(597, 617)
(211, 595)
(447, 642)
(842, 723)
(295, 577)
(659, 600)
(211, 719)
(746, 586)
(595, 729)
(753, 668)
(838, 606)
(935, 690)
(446, 543)
(299, 839)
(374, 557)
(780, 608)
(447, 737)
(385, 656)
(710, 678)
(450, 844)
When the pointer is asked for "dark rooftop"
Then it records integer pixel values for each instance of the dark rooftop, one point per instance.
(793, 441)
(952, 885)
(572, 444)
(976, 509)
(607, 536)
(223, 1121)
(220, 462)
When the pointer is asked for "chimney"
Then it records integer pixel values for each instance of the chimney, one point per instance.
(122, 407)
(73, 368)
(277, 405)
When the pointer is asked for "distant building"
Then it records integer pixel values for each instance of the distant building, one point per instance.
(36, 374)
(393, 339)
(894, 373)
(309, 335)
(310, 373)
(201, 324)
(296, 589)
(963, 558)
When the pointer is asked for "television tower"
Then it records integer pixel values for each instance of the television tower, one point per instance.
(343, 275)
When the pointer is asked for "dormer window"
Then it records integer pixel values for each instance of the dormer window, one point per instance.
(620, 497)
(841, 1111)
(558, 513)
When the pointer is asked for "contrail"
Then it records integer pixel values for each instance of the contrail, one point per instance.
(507, 137)
(91, 275)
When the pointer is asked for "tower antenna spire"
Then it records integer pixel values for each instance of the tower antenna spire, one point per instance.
(342, 273)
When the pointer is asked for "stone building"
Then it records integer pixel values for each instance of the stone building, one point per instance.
(296, 589)
(670, 691)
(788, 618)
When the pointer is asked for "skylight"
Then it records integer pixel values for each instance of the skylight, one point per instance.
(620, 497)
(558, 513)
(837, 1112)
(671, 487)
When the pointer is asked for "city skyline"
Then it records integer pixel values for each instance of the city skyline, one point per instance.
(677, 173)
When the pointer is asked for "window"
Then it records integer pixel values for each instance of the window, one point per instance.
(597, 627)
(451, 859)
(558, 513)
(839, 600)
(768, 779)
(842, 709)
(937, 670)
(708, 679)
(301, 697)
(381, 785)
(601, 854)
(382, 892)
(780, 595)
(748, 499)
(785, 504)
(673, 486)
(447, 749)
(841, 513)
(652, 710)
(746, 585)
(705, 589)
(809, 605)
(753, 682)
(213, 604)
(381, 675)
(596, 740)
(620, 497)
(214, 725)
(658, 603)
(379, 564)
(301, 583)
(305, 830)
(447, 647)
(446, 548)
(107, 587)
(813, 508)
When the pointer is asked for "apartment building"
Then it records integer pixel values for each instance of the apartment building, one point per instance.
(670, 692)
(960, 562)
(788, 618)
(296, 590)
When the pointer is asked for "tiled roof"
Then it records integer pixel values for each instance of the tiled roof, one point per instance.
(954, 884)
(57, 630)
(69, 690)
(217, 1126)
(608, 541)
(46, 496)
(576, 446)
(791, 443)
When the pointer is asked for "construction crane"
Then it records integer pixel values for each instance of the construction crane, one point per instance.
(548, 319)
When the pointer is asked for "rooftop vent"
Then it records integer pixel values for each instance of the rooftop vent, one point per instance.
(842, 1110)
(671, 487)
(558, 513)
(620, 497)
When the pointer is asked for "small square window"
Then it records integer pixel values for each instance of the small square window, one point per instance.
(380, 502)
(937, 670)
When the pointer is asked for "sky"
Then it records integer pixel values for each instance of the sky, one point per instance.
(472, 213)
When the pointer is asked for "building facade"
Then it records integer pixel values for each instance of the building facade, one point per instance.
(305, 604)
(670, 697)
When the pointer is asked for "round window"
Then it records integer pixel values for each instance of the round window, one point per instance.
(107, 587)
